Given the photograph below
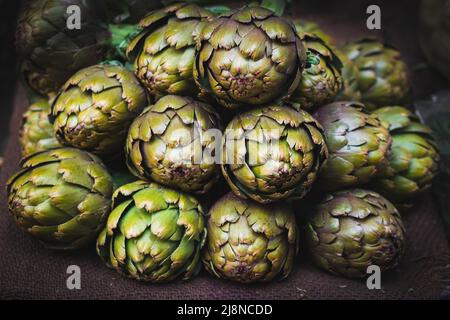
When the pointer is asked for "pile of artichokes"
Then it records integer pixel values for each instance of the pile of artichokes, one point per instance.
(246, 99)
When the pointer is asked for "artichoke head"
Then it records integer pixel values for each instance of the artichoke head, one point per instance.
(153, 233)
(61, 197)
(351, 230)
(95, 108)
(49, 52)
(173, 142)
(321, 78)
(249, 242)
(357, 142)
(163, 53)
(383, 75)
(413, 158)
(350, 79)
(273, 153)
(248, 57)
(36, 132)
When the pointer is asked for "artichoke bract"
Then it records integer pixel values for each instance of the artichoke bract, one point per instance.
(351, 230)
(358, 145)
(61, 197)
(248, 57)
(173, 142)
(153, 233)
(36, 132)
(321, 78)
(95, 107)
(273, 153)
(310, 27)
(163, 53)
(413, 158)
(50, 52)
(383, 76)
(350, 79)
(249, 242)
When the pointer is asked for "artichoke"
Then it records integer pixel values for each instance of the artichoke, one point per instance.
(36, 132)
(249, 242)
(434, 34)
(163, 53)
(383, 76)
(351, 230)
(321, 78)
(357, 142)
(61, 197)
(272, 153)
(173, 142)
(248, 57)
(350, 79)
(153, 233)
(413, 159)
(95, 108)
(49, 52)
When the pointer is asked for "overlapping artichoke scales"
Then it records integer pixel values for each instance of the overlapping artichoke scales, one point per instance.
(164, 51)
(49, 52)
(36, 132)
(383, 76)
(352, 230)
(272, 153)
(413, 159)
(171, 143)
(321, 79)
(249, 242)
(350, 79)
(249, 56)
(95, 108)
(357, 142)
(61, 196)
(153, 233)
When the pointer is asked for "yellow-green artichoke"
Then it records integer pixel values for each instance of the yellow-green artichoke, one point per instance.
(413, 158)
(249, 242)
(163, 53)
(173, 142)
(272, 153)
(248, 57)
(351, 230)
(357, 142)
(153, 233)
(383, 76)
(95, 107)
(36, 132)
(61, 197)
(321, 78)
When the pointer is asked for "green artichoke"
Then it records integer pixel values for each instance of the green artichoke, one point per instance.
(272, 153)
(434, 34)
(383, 76)
(153, 233)
(163, 53)
(61, 196)
(173, 142)
(357, 142)
(321, 78)
(248, 57)
(413, 159)
(350, 79)
(351, 230)
(49, 52)
(249, 242)
(36, 132)
(95, 108)
(306, 26)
